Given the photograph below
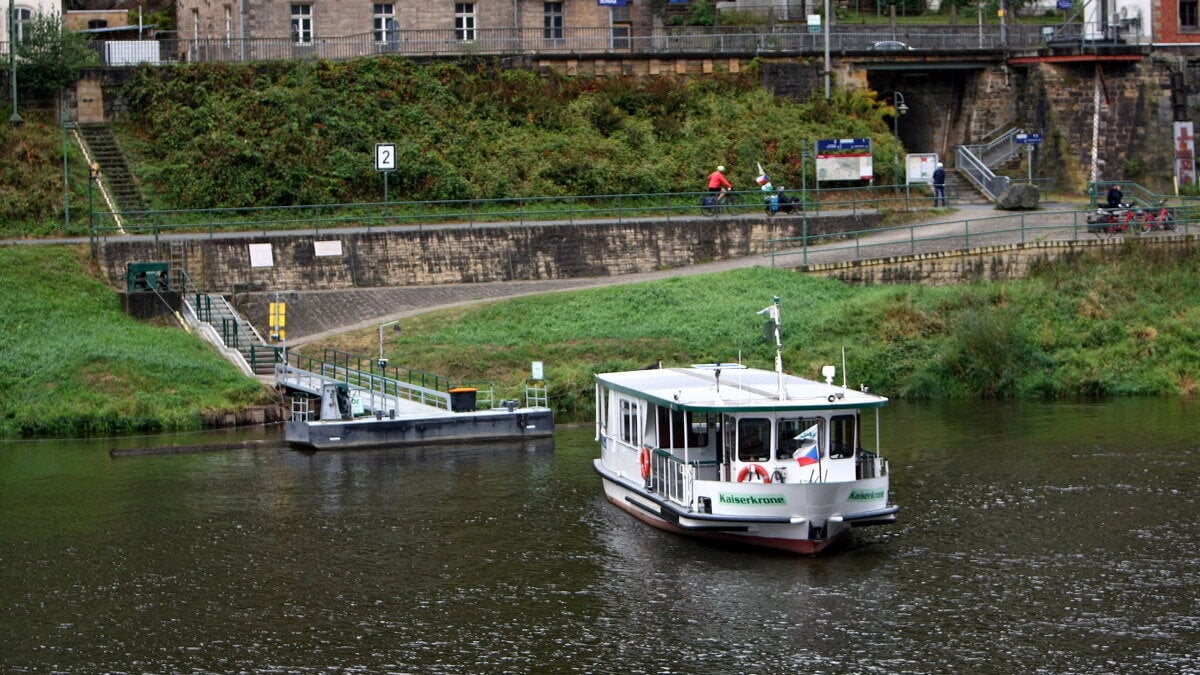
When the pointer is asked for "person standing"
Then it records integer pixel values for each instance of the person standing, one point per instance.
(939, 186)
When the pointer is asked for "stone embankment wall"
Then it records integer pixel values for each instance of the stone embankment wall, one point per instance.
(994, 263)
(338, 259)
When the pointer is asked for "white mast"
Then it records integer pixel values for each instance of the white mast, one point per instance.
(773, 312)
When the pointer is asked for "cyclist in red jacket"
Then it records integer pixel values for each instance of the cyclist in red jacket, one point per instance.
(718, 183)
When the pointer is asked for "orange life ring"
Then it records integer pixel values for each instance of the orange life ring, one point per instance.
(644, 462)
(762, 473)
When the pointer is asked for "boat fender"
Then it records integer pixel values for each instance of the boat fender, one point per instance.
(755, 468)
(644, 462)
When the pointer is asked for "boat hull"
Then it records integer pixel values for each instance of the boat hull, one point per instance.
(369, 432)
(784, 536)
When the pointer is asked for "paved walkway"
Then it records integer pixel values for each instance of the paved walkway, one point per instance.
(313, 315)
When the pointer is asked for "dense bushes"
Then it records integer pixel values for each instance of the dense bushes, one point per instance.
(300, 133)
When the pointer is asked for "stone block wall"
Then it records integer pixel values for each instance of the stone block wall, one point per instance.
(458, 254)
(989, 263)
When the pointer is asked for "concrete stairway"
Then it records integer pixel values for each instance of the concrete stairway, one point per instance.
(235, 332)
(114, 170)
(960, 191)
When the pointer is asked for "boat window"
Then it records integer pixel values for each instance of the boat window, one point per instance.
(754, 439)
(843, 436)
(799, 434)
(681, 429)
(629, 421)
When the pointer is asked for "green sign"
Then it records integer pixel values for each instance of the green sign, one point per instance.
(733, 499)
(866, 495)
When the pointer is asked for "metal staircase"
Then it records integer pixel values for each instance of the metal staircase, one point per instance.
(221, 324)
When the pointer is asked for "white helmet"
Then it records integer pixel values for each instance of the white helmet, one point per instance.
(721, 168)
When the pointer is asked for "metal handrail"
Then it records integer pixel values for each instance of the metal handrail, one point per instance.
(1070, 225)
(779, 37)
(979, 173)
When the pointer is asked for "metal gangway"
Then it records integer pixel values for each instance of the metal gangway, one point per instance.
(373, 390)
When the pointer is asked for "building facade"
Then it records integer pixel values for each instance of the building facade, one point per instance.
(25, 11)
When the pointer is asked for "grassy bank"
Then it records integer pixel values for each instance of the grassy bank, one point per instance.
(72, 363)
(1126, 327)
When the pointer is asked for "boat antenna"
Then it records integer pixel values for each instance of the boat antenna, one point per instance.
(772, 326)
(843, 372)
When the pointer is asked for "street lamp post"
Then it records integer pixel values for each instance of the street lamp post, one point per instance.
(15, 118)
(383, 359)
(901, 108)
(67, 126)
(93, 176)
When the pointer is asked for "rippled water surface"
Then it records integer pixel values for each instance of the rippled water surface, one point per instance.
(1053, 538)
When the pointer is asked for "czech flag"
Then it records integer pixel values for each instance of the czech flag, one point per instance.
(763, 178)
(810, 456)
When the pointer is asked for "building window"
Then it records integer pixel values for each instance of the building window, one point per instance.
(24, 16)
(1187, 14)
(622, 27)
(228, 25)
(385, 23)
(552, 20)
(195, 24)
(464, 21)
(96, 24)
(302, 26)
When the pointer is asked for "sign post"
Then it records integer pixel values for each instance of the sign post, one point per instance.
(385, 162)
(1029, 141)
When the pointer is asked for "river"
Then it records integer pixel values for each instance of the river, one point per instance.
(1034, 537)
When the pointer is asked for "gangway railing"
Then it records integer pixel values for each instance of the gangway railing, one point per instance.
(299, 371)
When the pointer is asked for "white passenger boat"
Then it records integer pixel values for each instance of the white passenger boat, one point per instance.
(742, 454)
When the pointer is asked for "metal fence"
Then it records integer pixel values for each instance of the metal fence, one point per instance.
(485, 212)
(792, 37)
(958, 234)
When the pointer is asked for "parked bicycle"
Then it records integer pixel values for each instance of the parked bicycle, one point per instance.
(1111, 222)
(1158, 218)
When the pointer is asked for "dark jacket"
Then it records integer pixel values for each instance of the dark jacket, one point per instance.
(939, 176)
(1114, 197)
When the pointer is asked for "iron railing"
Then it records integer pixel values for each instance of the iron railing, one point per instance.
(785, 37)
(959, 234)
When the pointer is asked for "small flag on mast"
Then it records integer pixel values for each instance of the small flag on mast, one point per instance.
(763, 179)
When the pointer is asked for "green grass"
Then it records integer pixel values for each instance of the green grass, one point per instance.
(72, 363)
(1128, 327)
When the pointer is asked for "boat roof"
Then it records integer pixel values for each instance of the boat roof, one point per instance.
(733, 388)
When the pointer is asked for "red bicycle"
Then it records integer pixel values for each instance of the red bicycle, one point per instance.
(1158, 218)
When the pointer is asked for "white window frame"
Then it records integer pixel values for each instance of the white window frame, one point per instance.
(302, 24)
(464, 21)
(552, 20)
(228, 25)
(384, 22)
(195, 24)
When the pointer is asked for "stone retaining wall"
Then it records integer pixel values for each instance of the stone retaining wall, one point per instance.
(460, 254)
(994, 263)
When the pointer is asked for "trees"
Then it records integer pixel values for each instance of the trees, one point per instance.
(48, 57)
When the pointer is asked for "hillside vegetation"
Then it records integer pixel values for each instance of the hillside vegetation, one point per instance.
(230, 135)
(1093, 328)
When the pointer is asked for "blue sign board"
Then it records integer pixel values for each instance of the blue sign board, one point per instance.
(835, 145)
(1029, 139)
(612, 3)
(1065, 4)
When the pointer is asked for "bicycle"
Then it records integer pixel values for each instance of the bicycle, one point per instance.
(1158, 218)
(712, 206)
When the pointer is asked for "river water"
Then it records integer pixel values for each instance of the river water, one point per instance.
(1033, 538)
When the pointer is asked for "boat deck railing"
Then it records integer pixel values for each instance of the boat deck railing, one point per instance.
(673, 478)
(871, 465)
